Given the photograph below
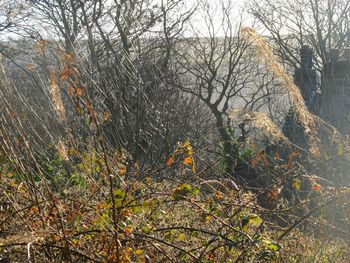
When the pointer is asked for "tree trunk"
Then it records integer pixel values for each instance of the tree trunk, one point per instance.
(230, 148)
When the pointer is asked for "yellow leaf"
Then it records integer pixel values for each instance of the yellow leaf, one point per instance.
(219, 196)
(181, 237)
(138, 251)
(297, 184)
(105, 116)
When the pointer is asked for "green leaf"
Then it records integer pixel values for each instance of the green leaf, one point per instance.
(249, 220)
(255, 218)
(340, 150)
(119, 194)
(297, 184)
(182, 191)
(273, 247)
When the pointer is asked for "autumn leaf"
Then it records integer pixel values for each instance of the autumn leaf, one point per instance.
(181, 237)
(70, 90)
(89, 106)
(138, 252)
(79, 91)
(316, 187)
(128, 230)
(68, 72)
(30, 67)
(105, 116)
(57, 238)
(211, 256)
(69, 57)
(122, 169)
(125, 213)
(188, 160)
(273, 194)
(260, 157)
(219, 196)
(170, 160)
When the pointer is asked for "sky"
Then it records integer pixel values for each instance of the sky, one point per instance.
(236, 15)
(199, 22)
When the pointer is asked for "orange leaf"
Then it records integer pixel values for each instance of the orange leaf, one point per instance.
(128, 230)
(30, 67)
(188, 160)
(170, 160)
(273, 194)
(68, 71)
(70, 90)
(316, 187)
(122, 169)
(89, 106)
(79, 91)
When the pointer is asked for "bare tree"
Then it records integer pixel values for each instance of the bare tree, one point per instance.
(61, 19)
(118, 55)
(216, 66)
(323, 25)
(12, 13)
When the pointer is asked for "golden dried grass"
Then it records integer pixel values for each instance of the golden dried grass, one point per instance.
(56, 96)
(62, 150)
(305, 118)
(261, 121)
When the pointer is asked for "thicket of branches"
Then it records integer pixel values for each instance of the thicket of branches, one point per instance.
(131, 132)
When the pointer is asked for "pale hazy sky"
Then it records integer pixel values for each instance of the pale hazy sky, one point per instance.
(198, 21)
(237, 14)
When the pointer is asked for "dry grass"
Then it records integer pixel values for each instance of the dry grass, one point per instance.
(304, 116)
(261, 121)
(56, 96)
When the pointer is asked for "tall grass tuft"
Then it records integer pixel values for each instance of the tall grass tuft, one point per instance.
(306, 119)
(56, 97)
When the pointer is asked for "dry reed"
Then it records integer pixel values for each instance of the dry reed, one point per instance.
(304, 116)
(261, 121)
(56, 96)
